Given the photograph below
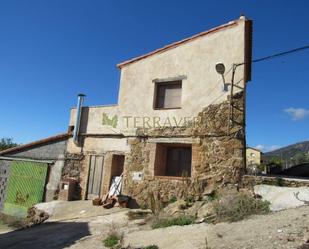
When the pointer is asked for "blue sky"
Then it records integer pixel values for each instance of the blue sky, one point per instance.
(52, 50)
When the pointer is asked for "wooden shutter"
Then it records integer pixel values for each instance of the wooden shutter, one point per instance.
(168, 95)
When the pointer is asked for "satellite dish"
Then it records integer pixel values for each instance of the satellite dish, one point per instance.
(220, 68)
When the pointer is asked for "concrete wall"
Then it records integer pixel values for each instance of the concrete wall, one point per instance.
(55, 171)
(43, 152)
(98, 145)
(92, 119)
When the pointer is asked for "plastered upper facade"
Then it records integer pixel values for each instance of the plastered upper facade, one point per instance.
(192, 61)
(253, 156)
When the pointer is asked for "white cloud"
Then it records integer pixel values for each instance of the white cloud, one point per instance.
(260, 147)
(297, 113)
(273, 147)
(267, 148)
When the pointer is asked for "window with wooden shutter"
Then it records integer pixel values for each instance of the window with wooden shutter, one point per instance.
(168, 95)
(173, 160)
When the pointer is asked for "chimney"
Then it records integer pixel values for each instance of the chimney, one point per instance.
(78, 118)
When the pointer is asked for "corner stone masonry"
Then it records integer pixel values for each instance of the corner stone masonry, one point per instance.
(74, 168)
(218, 155)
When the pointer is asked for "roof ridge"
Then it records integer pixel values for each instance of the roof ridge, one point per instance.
(183, 41)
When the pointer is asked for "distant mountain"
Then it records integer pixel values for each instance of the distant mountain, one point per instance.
(288, 152)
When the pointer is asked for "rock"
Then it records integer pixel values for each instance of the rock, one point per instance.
(35, 216)
(205, 210)
(97, 202)
(306, 237)
(282, 198)
(290, 238)
(181, 207)
(176, 208)
(304, 246)
(199, 220)
(208, 192)
(193, 210)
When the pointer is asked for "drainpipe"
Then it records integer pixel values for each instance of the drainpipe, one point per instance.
(78, 118)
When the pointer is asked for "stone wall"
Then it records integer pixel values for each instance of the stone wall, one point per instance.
(74, 167)
(249, 181)
(218, 156)
(4, 177)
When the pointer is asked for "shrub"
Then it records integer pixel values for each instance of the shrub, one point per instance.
(189, 200)
(235, 206)
(114, 237)
(213, 196)
(111, 240)
(279, 182)
(152, 247)
(173, 199)
(179, 221)
(135, 215)
(144, 206)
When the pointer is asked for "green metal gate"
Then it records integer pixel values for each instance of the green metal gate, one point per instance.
(25, 187)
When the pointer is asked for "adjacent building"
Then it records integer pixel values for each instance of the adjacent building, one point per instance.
(31, 173)
(254, 159)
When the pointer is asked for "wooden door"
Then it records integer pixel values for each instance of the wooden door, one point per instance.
(95, 176)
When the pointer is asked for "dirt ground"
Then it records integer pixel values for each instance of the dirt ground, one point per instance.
(283, 229)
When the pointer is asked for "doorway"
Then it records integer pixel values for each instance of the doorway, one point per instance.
(95, 176)
(116, 174)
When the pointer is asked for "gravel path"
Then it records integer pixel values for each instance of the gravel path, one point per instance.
(279, 230)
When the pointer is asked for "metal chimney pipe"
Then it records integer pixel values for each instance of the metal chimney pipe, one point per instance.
(78, 118)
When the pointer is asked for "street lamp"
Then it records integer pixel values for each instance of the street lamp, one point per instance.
(220, 68)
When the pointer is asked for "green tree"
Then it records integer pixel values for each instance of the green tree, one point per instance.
(300, 158)
(275, 162)
(6, 143)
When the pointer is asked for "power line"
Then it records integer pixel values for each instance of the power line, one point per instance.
(269, 57)
(281, 54)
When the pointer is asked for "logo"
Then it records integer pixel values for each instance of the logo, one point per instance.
(110, 121)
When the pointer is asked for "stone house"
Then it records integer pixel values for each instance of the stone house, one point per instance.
(179, 125)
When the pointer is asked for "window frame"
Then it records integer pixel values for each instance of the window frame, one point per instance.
(164, 83)
(158, 162)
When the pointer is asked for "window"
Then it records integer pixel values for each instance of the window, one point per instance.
(168, 95)
(173, 160)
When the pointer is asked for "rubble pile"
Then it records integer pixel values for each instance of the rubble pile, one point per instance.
(34, 217)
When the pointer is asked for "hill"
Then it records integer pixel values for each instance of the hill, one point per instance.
(289, 152)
